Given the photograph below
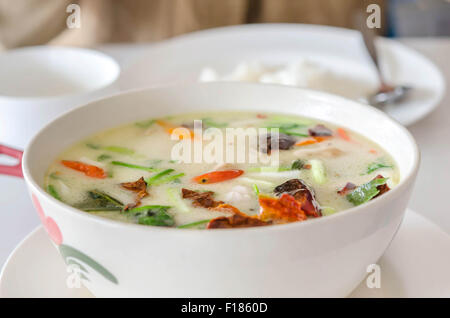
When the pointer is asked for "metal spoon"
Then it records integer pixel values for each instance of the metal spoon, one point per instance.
(386, 94)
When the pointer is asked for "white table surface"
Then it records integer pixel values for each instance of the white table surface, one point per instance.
(18, 218)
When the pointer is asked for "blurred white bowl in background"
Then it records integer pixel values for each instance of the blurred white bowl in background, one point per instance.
(38, 83)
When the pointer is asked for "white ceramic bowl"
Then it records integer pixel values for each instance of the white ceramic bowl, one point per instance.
(321, 257)
(39, 83)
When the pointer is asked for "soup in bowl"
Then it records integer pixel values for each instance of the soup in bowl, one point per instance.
(221, 170)
(138, 194)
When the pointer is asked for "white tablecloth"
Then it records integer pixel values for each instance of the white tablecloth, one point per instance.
(430, 196)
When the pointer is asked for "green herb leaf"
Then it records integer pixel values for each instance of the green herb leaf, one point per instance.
(156, 161)
(256, 189)
(210, 123)
(119, 149)
(52, 191)
(375, 166)
(103, 157)
(92, 146)
(132, 166)
(157, 176)
(54, 175)
(176, 199)
(297, 164)
(327, 210)
(289, 129)
(145, 123)
(159, 219)
(155, 215)
(289, 120)
(193, 224)
(292, 133)
(100, 201)
(365, 192)
(168, 179)
(147, 208)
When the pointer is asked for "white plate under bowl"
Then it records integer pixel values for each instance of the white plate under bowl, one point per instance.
(340, 50)
(415, 265)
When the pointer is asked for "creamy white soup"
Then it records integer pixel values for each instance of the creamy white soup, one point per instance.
(171, 172)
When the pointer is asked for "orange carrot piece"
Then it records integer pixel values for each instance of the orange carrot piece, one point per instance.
(217, 176)
(306, 142)
(88, 170)
(343, 134)
(373, 151)
(170, 129)
(310, 141)
(167, 126)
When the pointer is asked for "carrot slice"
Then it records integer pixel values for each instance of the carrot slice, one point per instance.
(217, 176)
(310, 141)
(343, 134)
(88, 170)
(172, 129)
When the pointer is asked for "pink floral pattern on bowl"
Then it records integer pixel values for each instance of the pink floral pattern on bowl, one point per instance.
(70, 254)
(49, 224)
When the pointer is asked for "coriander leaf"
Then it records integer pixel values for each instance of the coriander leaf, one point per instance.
(52, 191)
(210, 123)
(366, 192)
(154, 179)
(103, 157)
(375, 166)
(168, 179)
(197, 224)
(155, 215)
(147, 208)
(100, 201)
(286, 126)
(119, 149)
(292, 133)
(297, 164)
(132, 166)
(92, 146)
(289, 129)
(145, 124)
(54, 175)
(155, 161)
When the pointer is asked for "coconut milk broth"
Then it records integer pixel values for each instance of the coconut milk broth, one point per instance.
(150, 144)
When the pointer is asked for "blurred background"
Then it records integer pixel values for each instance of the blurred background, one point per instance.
(34, 22)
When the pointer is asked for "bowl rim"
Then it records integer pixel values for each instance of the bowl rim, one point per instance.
(59, 48)
(404, 183)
